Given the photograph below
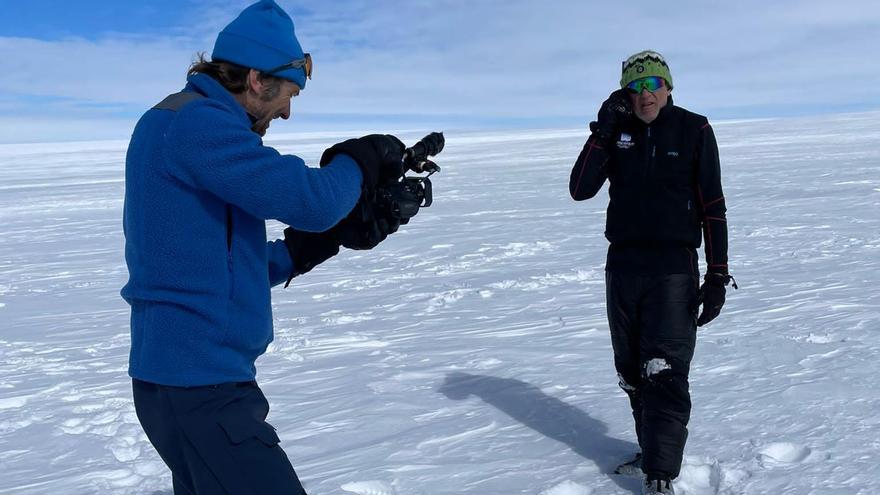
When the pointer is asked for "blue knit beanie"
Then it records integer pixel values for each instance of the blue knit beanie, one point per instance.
(262, 38)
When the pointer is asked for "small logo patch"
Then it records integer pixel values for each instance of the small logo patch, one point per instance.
(625, 141)
(672, 153)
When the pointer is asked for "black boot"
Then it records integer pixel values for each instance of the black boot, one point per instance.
(655, 485)
(631, 468)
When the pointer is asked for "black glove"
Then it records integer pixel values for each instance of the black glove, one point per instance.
(612, 113)
(379, 156)
(365, 226)
(712, 295)
(308, 249)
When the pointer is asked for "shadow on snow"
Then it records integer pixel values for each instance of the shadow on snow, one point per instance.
(549, 416)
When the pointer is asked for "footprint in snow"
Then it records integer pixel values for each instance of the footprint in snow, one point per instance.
(374, 487)
(708, 476)
(784, 453)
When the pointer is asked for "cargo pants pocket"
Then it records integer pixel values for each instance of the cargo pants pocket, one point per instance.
(253, 446)
(240, 432)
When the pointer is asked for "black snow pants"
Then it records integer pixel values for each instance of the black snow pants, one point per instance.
(215, 439)
(653, 333)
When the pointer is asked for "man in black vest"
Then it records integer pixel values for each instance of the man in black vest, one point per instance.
(665, 199)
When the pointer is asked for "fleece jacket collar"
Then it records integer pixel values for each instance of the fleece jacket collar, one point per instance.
(207, 86)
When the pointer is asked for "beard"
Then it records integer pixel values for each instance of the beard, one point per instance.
(260, 124)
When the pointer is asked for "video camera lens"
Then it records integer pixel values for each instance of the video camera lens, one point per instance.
(430, 145)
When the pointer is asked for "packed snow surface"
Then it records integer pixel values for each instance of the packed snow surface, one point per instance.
(469, 353)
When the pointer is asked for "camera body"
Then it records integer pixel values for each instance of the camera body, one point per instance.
(404, 198)
(382, 210)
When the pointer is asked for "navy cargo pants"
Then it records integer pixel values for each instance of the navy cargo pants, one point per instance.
(215, 439)
(653, 333)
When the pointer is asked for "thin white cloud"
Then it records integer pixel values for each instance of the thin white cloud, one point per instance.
(515, 60)
(114, 70)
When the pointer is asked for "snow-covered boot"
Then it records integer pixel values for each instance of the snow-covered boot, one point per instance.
(631, 468)
(655, 486)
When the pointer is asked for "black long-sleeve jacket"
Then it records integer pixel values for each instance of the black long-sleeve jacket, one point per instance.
(665, 184)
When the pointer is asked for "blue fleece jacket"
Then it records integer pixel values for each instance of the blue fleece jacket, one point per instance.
(199, 185)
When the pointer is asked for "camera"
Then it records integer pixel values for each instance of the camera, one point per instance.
(382, 210)
(404, 196)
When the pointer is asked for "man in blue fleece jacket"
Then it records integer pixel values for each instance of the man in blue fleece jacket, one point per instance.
(200, 185)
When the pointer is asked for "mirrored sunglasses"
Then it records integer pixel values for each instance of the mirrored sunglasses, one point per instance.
(651, 83)
(304, 63)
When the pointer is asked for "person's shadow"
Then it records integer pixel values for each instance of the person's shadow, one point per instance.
(549, 416)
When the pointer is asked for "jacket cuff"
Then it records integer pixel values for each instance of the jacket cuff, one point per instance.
(719, 279)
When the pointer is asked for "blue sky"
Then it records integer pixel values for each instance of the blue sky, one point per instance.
(86, 69)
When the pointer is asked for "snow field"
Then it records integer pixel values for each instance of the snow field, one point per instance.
(469, 352)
